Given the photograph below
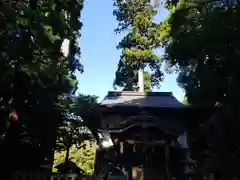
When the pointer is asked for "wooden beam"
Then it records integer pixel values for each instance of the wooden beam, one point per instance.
(146, 142)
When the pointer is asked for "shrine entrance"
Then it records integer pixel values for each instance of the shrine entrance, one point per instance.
(142, 147)
(144, 131)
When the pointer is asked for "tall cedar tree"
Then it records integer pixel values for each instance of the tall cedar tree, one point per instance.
(135, 17)
(34, 73)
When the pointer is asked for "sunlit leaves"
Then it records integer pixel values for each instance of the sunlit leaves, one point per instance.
(83, 157)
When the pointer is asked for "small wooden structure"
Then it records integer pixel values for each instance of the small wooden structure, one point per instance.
(148, 131)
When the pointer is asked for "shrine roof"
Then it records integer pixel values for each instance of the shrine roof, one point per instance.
(142, 100)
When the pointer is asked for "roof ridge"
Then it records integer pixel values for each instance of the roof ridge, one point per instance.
(134, 93)
(137, 99)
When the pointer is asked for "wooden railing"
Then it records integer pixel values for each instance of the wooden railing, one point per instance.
(46, 176)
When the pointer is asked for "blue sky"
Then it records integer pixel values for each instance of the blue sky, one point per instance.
(99, 54)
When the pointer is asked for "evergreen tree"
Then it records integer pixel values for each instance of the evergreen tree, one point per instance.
(142, 37)
(35, 75)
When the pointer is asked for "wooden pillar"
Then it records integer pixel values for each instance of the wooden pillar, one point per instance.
(129, 168)
(121, 147)
(167, 158)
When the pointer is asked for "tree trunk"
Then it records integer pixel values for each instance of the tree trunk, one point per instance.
(67, 154)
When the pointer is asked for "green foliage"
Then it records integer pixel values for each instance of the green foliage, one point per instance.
(136, 17)
(37, 41)
(202, 41)
(147, 81)
(83, 102)
(83, 157)
(185, 100)
(73, 135)
(35, 75)
(87, 107)
(70, 133)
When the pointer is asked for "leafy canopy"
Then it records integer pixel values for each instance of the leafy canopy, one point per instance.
(202, 42)
(35, 74)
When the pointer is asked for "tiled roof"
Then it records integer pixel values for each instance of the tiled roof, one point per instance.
(138, 99)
